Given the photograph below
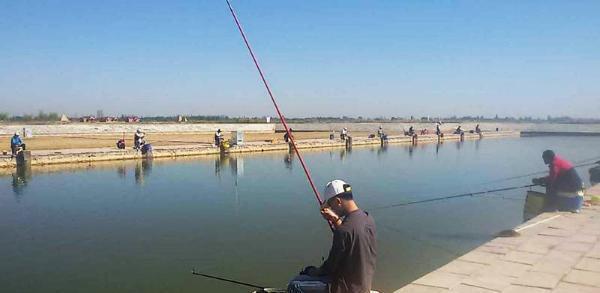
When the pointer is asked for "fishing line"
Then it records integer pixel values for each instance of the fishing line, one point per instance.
(420, 240)
(281, 117)
(453, 196)
(502, 197)
(228, 280)
(580, 163)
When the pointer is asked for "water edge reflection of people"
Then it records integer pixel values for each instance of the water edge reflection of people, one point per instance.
(143, 168)
(345, 152)
(459, 144)
(122, 171)
(382, 149)
(288, 160)
(236, 164)
(20, 179)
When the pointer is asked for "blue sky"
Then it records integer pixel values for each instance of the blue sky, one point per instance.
(369, 58)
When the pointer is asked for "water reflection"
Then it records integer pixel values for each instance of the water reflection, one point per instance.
(142, 170)
(382, 150)
(122, 171)
(344, 153)
(411, 149)
(20, 179)
(116, 226)
(236, 165)
(459, 144)
(438, 146)
(288, 160)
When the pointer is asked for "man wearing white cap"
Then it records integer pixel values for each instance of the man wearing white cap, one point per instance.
(350, 266)
(138, 139)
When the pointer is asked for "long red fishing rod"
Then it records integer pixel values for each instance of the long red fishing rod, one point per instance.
(281, 117)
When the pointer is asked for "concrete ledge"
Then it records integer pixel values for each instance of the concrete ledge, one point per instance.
(556, 252)
(559, 133)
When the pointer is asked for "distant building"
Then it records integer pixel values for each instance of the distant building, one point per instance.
(64, 118)
(181, 119)
(132, 119)
(108, 119)
(88, 119)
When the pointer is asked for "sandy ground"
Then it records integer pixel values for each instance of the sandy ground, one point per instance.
(56, 142)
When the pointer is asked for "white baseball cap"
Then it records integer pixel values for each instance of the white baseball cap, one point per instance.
(336, 187)
(16, 133)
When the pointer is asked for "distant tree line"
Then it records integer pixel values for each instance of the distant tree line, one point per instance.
(42, 116)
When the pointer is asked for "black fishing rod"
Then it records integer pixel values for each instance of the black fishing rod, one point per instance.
(581, 163)
(228, 280)
(454, 196)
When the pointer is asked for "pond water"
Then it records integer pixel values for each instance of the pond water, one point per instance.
(142, 226)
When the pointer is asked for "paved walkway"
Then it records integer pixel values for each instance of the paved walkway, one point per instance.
(556, 252)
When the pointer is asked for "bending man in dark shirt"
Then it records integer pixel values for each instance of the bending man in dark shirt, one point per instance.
(350, 265)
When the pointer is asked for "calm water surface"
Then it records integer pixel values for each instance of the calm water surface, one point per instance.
(141, 226)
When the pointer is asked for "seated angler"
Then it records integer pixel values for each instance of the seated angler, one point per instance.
(218, 137)
(564, 188)
(350, 266)
(138, 139)
(16, 144)
(287, 137)
(458, 130)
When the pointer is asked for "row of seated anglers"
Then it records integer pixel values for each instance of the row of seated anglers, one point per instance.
(17, 145)
(411, 131)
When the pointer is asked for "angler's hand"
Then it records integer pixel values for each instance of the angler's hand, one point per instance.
(331, 216)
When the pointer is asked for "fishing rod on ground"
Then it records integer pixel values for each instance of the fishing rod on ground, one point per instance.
(491, 191)
(279, 113)
(194, 272)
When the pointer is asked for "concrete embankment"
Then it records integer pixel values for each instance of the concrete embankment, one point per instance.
(559, 133)
(110, 154)
(446, 126)
(555, 252)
